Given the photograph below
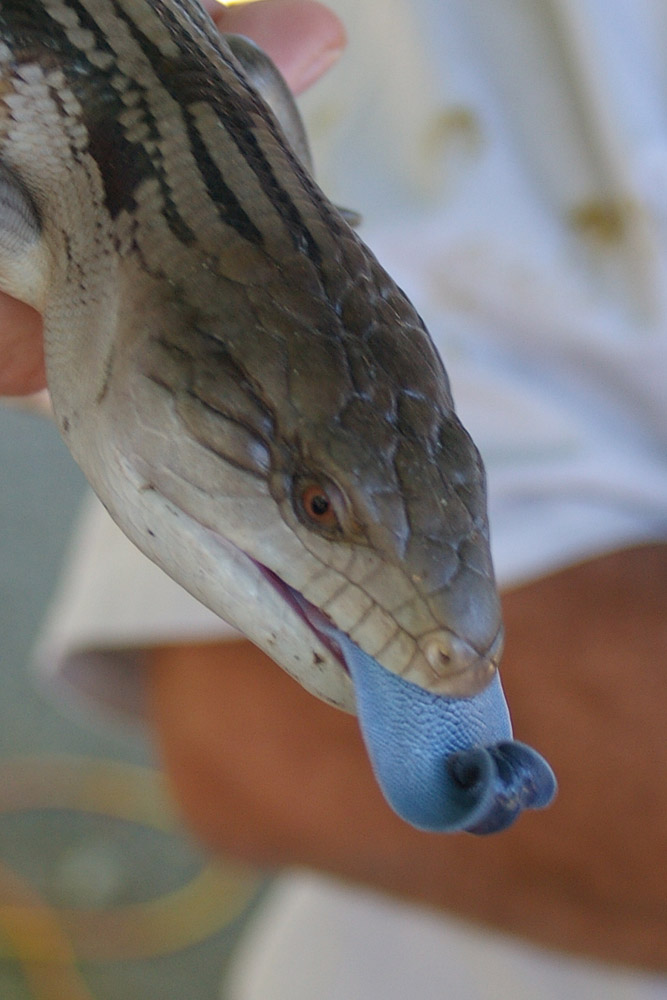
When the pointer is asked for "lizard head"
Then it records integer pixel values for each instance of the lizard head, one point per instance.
(364, 498)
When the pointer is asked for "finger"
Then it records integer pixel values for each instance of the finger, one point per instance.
(303, 37)
(22, 368)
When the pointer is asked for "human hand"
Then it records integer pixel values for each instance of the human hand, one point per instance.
(302, 37)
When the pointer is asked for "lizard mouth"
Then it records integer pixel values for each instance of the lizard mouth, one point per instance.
(317, 620)
(469, 671)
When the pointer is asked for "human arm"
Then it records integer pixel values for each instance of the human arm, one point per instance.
(265, 772)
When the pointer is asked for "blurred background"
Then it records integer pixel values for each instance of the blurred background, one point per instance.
(102, 895)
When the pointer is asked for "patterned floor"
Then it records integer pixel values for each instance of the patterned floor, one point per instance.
(102, 896)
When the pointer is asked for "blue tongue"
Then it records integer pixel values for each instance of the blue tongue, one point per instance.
(445, 764)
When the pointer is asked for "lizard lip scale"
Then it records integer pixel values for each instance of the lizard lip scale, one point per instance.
(444, 764)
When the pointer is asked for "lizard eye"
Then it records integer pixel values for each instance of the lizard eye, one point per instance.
(315, 502)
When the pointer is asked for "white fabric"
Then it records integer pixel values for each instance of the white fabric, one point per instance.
(510, 160)
(315, 939)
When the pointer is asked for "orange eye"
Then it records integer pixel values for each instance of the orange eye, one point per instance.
(317, 506)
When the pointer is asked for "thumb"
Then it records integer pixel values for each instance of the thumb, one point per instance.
(303, 37)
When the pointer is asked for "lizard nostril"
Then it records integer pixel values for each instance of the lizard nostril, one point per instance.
(446, 653)
(457, 668)
(438, 656)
